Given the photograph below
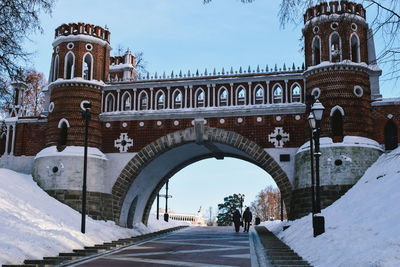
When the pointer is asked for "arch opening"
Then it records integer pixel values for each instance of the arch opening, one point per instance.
(337, 123)
(147, 174)
(197, 189)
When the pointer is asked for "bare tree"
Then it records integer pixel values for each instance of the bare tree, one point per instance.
(140, 63)
(139, 59)
(19, 18)
(384, 22)
(267, 205)
(34, 97)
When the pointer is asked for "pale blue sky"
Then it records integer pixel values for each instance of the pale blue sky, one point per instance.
(185, 34)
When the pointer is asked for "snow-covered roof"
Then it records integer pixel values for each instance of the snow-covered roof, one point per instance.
(71, 151)
(81, 38)
(387, 102)
(353, 141)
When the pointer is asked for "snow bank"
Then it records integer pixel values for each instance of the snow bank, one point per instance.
(34, 225)
(362, 227)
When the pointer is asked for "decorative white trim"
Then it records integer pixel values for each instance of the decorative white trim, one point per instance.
(196, 97)
(70, 45)
(82, 103)
(89, 47)
(358, 47)
(273, 93)
(80, 38)
(91, 65)
(106, 103)
(175, 93)
(316, 92)
(157, 96)
(278, 137)
(334, 27)
(358, 88)
(220, 90)
(313, 61)
(73, 65)
(51, 107)
(62, 121)
(140, 100)
(56, 68)
(123, 143)
(330, 45)
(291, 92)
(238, 89)
(336, 108)
(123, 101)
(256, 88)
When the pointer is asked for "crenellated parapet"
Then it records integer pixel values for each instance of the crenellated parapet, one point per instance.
(334, 7)
(123, 68)
(82, 28)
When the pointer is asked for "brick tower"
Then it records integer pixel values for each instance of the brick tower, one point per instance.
(341, 72)
(80, 64)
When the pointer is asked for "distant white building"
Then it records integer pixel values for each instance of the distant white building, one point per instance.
(197, 219)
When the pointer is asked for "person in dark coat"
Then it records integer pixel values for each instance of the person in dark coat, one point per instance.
(236, 220)
(247, 217)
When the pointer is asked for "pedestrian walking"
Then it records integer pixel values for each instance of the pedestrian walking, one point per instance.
(236, 220)
(247, 217)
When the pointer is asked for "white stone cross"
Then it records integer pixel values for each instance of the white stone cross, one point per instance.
(123, 142)
(278, 137)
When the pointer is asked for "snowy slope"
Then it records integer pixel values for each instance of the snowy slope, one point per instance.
(34, 225)
(362, 227)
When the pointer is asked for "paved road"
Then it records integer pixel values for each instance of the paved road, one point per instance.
(193, 246)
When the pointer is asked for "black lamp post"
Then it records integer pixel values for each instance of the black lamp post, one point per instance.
(158, 205)
(315, 122)
(86, 116)
(311, 122)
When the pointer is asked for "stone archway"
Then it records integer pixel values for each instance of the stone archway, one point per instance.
(148, 170)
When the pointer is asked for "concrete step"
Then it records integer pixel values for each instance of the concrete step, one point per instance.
(277, 251)
(289, 262)
(87, 251)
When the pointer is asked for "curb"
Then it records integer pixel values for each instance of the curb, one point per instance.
(78, 255)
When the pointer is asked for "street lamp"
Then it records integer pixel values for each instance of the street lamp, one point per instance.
(241, 197)
(315, 122)
(85, 105)
(317, 110)
(312, 124)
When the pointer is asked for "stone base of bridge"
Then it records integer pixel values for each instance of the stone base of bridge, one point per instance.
(301, 199)
(98, 205)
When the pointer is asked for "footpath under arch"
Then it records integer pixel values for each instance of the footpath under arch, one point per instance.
(143, 176)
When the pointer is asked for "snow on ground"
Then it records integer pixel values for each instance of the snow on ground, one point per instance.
(34, 225)
(361, 229)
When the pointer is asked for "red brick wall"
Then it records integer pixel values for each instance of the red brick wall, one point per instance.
(29, 138)
(380, 118)
(344, 31)
(67, 101)
(249, 128)
(337, 88)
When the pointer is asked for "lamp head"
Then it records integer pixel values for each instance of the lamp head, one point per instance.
(311, 121)
(317, 110)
